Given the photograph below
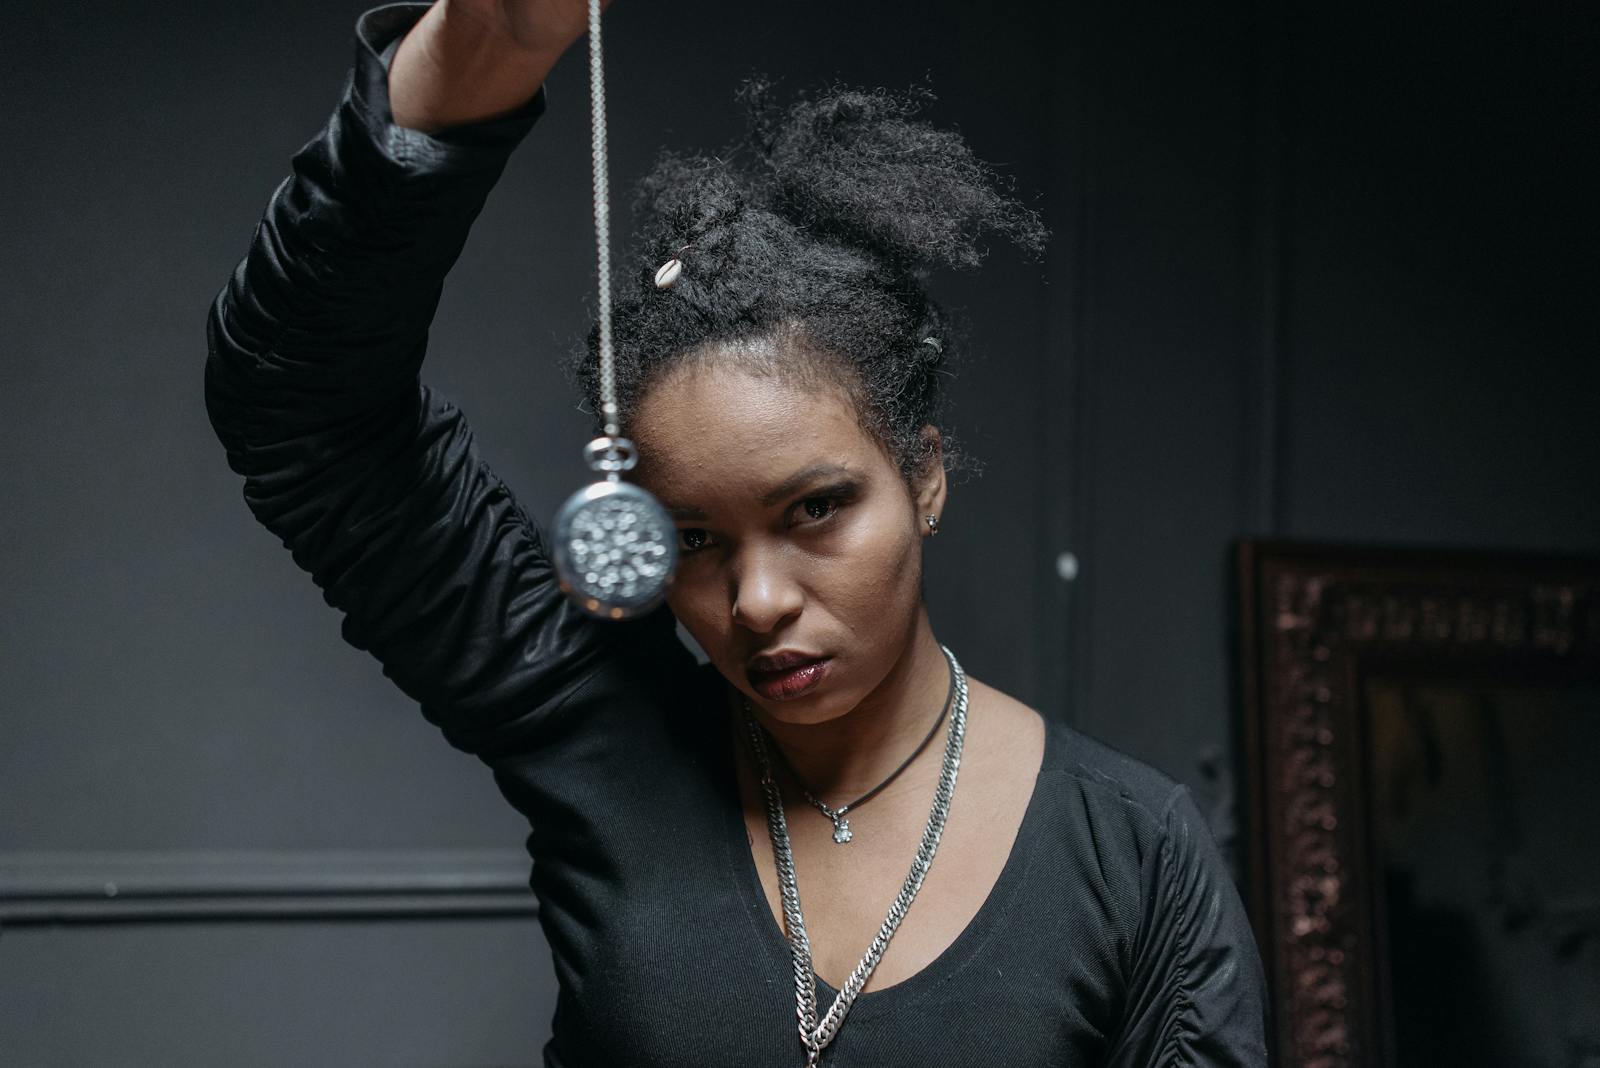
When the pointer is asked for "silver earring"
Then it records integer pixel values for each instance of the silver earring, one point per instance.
(933, 525)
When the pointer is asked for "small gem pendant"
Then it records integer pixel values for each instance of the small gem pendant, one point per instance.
(841, 831)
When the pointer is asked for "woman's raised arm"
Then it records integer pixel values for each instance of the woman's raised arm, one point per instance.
(371, 479)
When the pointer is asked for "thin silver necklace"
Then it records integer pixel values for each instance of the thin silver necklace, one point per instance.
(842, 834)
(816, 1034)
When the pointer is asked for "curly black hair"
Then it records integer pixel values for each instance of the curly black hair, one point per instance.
(805, 249)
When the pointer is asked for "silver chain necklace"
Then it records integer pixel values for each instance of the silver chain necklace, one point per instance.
(814, 1034)
(614, 546)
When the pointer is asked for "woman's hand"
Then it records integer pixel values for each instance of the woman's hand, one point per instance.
(533, 24)
(470, 60)
(547, 26)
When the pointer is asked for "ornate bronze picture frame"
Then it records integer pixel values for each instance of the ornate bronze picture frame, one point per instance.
(1422, 755)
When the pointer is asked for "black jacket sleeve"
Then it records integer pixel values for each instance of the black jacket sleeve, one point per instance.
(1196, 994)
(371, 479)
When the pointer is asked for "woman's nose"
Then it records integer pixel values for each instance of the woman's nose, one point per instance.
(765, 594)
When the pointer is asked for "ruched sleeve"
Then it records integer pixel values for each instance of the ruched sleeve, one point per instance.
(371, 479)
(1196, 993)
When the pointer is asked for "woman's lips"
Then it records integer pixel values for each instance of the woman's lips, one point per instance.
(792, 680)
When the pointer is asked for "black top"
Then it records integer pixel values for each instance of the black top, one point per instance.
(1114, 935)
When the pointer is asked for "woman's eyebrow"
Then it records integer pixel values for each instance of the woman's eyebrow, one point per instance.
(789, 487)
(795, 482)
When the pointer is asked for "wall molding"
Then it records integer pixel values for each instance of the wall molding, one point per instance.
(242, 885)
(1265, 497)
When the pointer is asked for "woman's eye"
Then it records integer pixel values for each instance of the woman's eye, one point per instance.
(691, 538)
(818, 508)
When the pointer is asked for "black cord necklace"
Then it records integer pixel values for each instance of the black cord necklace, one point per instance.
(841, 826)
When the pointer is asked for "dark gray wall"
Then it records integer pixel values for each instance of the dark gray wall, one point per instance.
(1317, 273)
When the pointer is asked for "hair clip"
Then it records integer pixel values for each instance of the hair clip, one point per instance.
(668, 272)
(938, 346)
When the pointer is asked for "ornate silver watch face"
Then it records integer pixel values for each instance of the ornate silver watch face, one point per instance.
(614, 549)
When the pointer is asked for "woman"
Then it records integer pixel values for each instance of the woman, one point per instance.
(783, 395)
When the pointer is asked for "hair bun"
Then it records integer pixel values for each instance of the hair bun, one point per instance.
(859, 167)
(694, 198)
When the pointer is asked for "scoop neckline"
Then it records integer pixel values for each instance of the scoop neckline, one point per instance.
(971, 939)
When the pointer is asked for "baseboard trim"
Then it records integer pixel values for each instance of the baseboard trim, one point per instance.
(207, 885)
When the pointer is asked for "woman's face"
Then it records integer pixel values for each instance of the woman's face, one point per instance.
(800, 544)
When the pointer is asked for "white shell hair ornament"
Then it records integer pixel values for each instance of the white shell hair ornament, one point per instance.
(668, 272)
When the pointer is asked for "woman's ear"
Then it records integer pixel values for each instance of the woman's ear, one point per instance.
(930, 488)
